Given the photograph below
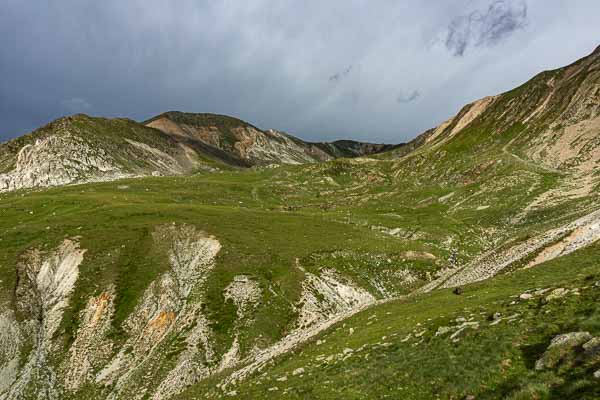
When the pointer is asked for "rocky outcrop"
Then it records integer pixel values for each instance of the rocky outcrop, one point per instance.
(245, 141)
(245, 293)
(44, 286)
(59, 160)
(326, 295)
(164, 311)
(91, 348)
(274, 147)
(168, 344)
(327, 299)
(570, 349)
(11, 341)
(82, 149)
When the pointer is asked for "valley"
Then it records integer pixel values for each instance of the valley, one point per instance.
(197, 256)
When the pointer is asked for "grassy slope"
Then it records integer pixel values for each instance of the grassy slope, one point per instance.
(112, 136)
(265, 219)
(226, 125)
(489, 362)
(489, 188)
(257, 240)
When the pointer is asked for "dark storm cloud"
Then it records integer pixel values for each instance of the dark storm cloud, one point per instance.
(499, 21)
(320, 70)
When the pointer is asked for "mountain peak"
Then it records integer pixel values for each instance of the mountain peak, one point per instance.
(200, 119)
(253, 145)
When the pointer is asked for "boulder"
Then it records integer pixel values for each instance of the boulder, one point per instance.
(442, 330)
(560, 348)
(557, 294)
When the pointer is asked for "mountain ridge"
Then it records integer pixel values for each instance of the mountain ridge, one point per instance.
(239, 137)
(80, 148)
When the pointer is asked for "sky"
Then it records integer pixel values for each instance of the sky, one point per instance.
(379, 71)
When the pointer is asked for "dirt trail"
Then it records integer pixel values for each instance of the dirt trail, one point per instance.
(505, 150)
(549, 245)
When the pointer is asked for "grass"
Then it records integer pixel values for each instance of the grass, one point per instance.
(248, 213)
(436, 367)
(330, 225)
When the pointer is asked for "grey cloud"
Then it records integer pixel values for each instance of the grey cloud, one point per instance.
(499, 21)
(340, 75)
(403, 98)
(319, 70)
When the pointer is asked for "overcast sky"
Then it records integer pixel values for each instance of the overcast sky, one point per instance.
(380, 71)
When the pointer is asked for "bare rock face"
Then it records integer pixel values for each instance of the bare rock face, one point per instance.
(58, 160)
(550, 244)
(169, 343)
(11, 341)
(82, 149)
(326, 299)
(272, 147)
(163, 311)
(245, 293)
(243, 140)
(44, 287)
(91, 348)
(45, 283)
(327, 295)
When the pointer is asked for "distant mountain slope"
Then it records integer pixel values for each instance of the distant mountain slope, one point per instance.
(254, 145)
(554, 119)
(552, 123)
(81, 148)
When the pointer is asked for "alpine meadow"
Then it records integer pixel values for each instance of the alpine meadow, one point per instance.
(198, 256)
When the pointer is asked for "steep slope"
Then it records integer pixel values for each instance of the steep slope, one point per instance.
(530, 335)
(253, 145)
(84, 149)
(512, 184)
(553, 120)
